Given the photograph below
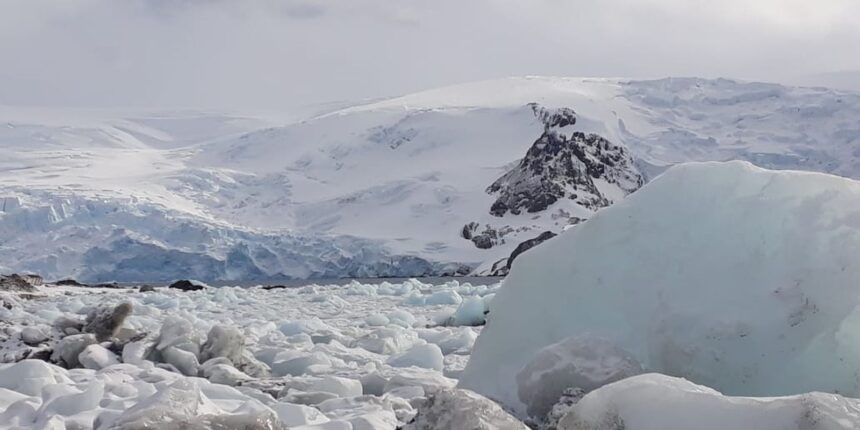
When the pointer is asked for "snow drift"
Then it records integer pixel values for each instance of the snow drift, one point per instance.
(731, 276)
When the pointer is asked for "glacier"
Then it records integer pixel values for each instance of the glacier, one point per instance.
(381, 188)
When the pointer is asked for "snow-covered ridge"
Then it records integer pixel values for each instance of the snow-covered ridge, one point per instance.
(401, 177)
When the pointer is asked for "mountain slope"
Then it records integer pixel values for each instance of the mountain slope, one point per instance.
(389, 184)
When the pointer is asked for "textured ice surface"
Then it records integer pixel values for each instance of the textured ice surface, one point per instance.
(734, 277)
(659, 402)
(228, 358)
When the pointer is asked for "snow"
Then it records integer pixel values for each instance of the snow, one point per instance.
(729, 275)
(373, 189)
(229, 357)
(659, 402)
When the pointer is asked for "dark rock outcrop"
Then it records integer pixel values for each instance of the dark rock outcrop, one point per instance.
(186, 285)
(503, 266)
(69, 283)
(16, 283)
(487, 238)
(564, 164)
(529, 244)
(146, 289)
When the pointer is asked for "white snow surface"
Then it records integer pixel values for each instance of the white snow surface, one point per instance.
(734, 277)
(209, 358)
(380, 188)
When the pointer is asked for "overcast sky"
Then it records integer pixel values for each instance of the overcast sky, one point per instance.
(272, 54)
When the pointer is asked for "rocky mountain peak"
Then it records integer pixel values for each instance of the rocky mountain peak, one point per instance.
(571, 165)
(553, 118)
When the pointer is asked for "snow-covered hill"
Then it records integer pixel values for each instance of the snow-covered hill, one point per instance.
(395, 187)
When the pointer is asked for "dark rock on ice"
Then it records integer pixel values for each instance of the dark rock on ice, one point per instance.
(186, 285)
(16, 283)
(69, 283)
(104, 322)
(529, 244)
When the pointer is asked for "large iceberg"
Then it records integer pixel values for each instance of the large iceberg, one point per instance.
(735, 277)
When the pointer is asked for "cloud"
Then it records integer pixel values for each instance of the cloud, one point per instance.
(283, 53)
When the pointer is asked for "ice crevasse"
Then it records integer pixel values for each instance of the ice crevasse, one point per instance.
(738, 278)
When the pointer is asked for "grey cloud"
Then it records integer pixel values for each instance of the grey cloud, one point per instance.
(283, 53)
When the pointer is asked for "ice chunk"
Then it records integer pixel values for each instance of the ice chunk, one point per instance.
(428, 356)
(401, 318)
(179, 333)
(457, 409)
(343, 387)
(97, 357)
(183, 405)
(388, 340)
(33, 335)
(184, 361)
(68, 349)
(450, 340)
(30, 376)
(712, 272)
(223, 341)
(75, 402)
(220, 371)
(298, 415)
(376, 320)
(472, 312)
(654, 401)
(134, 352)
(299, 365)
(583, 362)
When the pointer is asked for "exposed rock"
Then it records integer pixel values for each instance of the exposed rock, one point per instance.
(186, 285)
(17, 283)
(469, 230)
(529, 244)
(69, 283)
(104, 322)
(564, 164)
(146, 289)
(111, 285)
(457, 409)
(486, 239)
